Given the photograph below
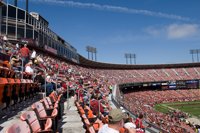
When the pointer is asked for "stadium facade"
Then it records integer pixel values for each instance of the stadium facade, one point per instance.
(21, 26)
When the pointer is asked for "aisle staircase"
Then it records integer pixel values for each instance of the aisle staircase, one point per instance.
(71, 120)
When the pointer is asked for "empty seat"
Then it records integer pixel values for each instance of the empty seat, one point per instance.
(32, 120)
(51, 104)
(4, 72)
(41, 113)
(21, 92)
(55, 105)
(6, 96)
(47, 107)
(19, 127)
(3, 82)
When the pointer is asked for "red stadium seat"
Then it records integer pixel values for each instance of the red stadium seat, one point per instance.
(41, 113)
(32, 120)
(19, 127)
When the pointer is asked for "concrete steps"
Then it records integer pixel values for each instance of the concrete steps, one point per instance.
(71, 120)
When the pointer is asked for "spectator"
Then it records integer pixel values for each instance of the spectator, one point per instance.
(14, 62)
(5, 39)
(115, 122)
(24, 53)
(49, 86)
(138, 122)
(33, 55)
(28, 68)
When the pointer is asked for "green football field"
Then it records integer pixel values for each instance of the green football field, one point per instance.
(192, 108)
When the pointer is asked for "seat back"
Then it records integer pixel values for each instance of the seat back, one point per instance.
(3, 82)
(45, 102)
(53, 97)
(6, 95)
(19, 127)
(14, 95)
(40, 110)
(32, 120)
(49, 101)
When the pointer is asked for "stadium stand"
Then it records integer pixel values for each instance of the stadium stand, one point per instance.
(54, 92)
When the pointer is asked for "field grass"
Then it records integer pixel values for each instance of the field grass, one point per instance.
(193, 108)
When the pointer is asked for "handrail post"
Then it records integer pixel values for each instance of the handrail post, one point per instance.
(45, 84)
(10, 60)
(78, 95)
(57, 76)
(99, 107)
(22, 67)
(67, 97)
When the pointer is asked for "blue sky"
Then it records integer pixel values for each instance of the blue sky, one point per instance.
(157, 31)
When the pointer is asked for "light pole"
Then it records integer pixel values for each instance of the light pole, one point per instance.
(133, 56)
(130, 56)
(126, 56)
(95, 53)
(57, 75)
(91, 50)
(195, 51)
(198, 51)
(88, 50)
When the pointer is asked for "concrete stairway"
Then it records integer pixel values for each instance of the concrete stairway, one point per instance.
(71, 120)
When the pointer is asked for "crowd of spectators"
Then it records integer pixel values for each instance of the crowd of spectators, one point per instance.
(94, 85)
(173, 121)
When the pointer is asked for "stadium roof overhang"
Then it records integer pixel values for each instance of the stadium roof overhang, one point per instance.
(92, 64)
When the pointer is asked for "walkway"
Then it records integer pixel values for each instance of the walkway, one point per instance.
(71, 120)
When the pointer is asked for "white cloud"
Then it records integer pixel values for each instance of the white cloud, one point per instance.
(113, 8)
(176, 31)
(153, 31)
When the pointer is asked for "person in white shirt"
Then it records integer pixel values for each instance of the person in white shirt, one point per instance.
(28, 68)
(33, 55)
(116, 122)
(5, 39)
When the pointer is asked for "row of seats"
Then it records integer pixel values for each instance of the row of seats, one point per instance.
(92, 123)
(13, 91)
(91, 127)
(5, 72)
(43, 117)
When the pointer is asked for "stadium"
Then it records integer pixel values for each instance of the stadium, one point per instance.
(56, 89)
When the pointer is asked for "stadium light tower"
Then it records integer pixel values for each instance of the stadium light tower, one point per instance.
(91, 50)
(95, 53)
(130, 56)
(134, 56)
(126, 56)
(198, 51)
(88, 50)
(192, 53)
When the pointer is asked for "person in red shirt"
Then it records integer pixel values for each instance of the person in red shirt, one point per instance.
(25, 54)
(94, 103)
(138, 122)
